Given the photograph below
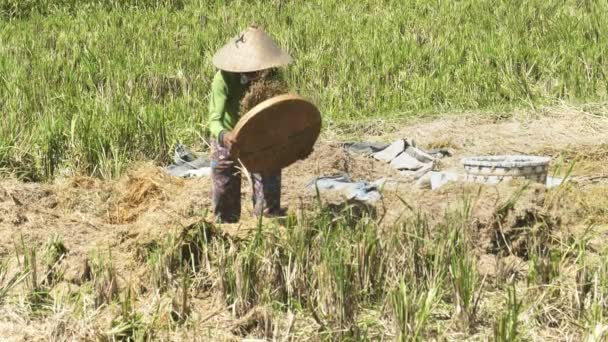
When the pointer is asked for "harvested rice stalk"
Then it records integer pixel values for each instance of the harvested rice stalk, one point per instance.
(267, 86)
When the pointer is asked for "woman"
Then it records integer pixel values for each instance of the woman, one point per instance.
(240, 62)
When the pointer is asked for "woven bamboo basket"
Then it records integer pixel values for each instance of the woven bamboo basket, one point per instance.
(496, 169)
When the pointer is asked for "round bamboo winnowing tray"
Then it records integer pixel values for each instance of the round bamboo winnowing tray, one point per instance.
(276, 133)
(495, 169)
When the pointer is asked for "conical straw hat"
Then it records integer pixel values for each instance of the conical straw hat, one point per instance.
(251, 50)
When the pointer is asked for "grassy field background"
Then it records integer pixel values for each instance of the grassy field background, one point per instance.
(88, 86)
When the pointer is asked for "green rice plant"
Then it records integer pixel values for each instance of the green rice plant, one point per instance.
(242, 273)
(336, 281)
(422, 254)
(54, 252)
(596, 311)
(417, 243)
(300, 257)
(544, 268)
(425, 249)
(9, 283)
(327, 264)
(502, 211)
(26, 260)
(29, 262)
(412, 307)
(110, 163)
(466, 284)
(195, 242)
(244, 284)
(583, 274)
(104, 279)
(370, 253)
(426, 254)
(189, 251)
(129, 324)
(258, 278)
(23, 9)
(596, 321)
(544, 255)
(246, 267)
(180, 304)
(506, 326)
(467, 289)
(583, 287)
(162, 262)
(419, 259)
(36, 298)
(39, 302)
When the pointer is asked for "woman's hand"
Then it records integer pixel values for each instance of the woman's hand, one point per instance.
(228, 140)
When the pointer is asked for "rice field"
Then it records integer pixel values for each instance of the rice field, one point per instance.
(140, 260)
(98, 243)
(87, 86)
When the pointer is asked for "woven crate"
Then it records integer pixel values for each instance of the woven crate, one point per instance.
(495, 169)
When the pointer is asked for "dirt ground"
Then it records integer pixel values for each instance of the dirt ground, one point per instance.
(125, 215)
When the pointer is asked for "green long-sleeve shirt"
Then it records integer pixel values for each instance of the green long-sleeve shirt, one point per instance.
(224, 104)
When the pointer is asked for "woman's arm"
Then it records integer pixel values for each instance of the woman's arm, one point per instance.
(217, 106)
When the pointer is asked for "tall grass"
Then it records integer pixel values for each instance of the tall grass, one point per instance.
(88, 85)
(506, 326)
(342, 274)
